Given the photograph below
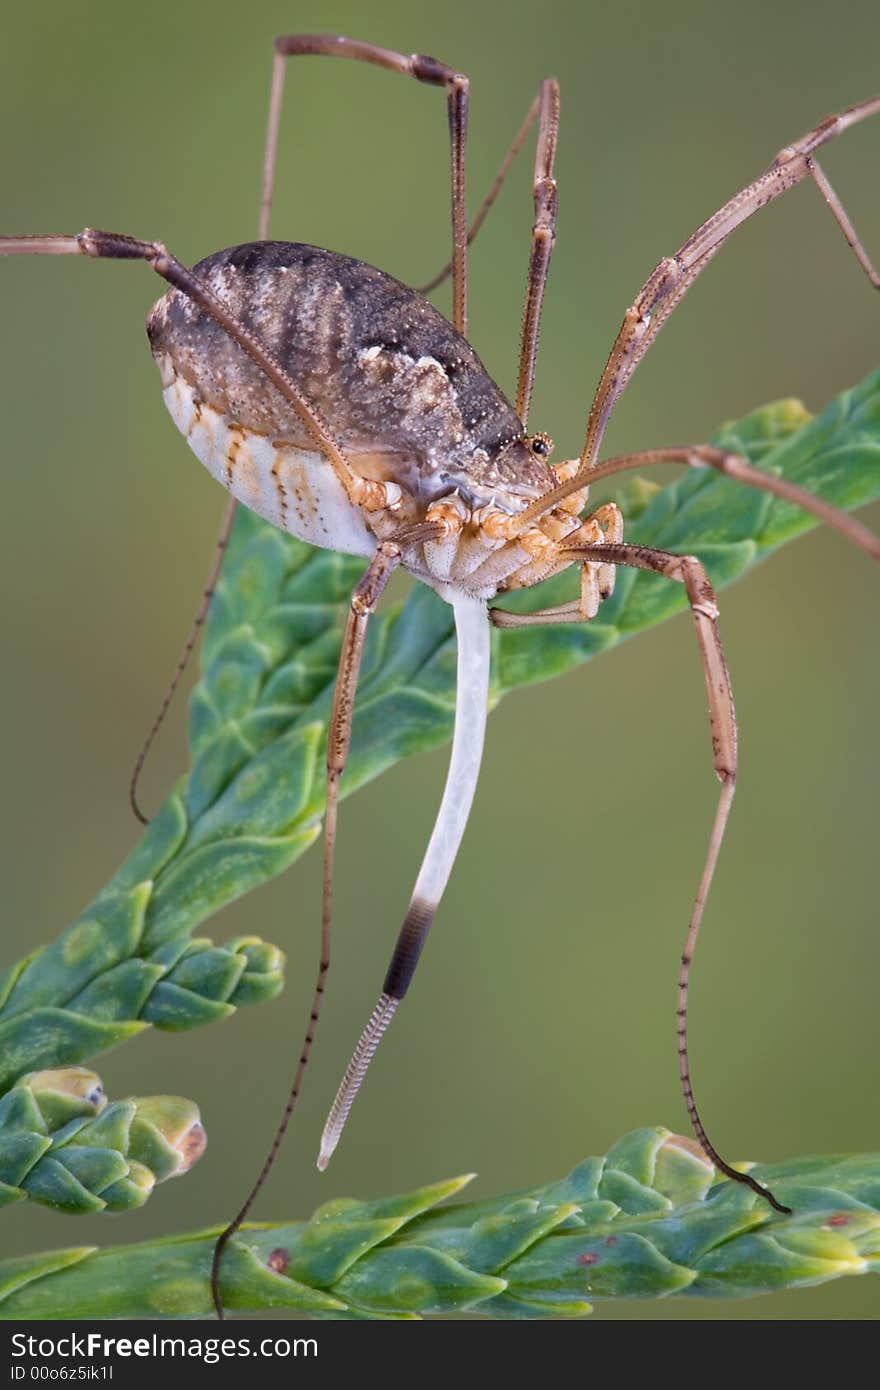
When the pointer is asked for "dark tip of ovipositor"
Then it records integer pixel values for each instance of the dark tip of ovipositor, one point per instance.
(416, 925)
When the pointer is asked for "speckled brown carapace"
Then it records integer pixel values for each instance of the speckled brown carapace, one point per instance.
(387, 371)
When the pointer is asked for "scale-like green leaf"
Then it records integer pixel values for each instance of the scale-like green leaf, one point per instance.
(674, 1229)
(63, 1145)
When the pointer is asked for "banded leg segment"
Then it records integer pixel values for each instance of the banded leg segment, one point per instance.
(686, 570)
(488, 202)
(363, 603)
(545, 110)
(841, 217)
(196, 626)
(735, 466)
(423, 69)
(543, 240)
(673, 277)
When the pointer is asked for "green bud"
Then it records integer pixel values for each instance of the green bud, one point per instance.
(63, 1145)
(167, 1135)
(64, 1093)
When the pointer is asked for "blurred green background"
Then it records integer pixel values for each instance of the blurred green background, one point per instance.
(541, 1026)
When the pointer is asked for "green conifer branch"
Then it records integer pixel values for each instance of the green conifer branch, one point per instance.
(650, 1219)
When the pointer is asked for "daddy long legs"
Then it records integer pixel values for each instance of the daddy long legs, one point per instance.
(343, 407)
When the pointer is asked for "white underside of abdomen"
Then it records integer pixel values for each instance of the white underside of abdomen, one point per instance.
(295, 489)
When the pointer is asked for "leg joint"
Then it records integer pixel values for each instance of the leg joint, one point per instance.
(435, 73)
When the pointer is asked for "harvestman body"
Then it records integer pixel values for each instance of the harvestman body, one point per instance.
(343, 407)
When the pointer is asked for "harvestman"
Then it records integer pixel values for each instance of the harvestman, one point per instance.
(340, 405)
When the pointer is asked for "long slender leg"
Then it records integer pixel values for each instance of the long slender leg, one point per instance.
(114, 246)
(686, 570)
(329, 45)
(543, 239)
(544, 109)
(295, 45)
(673, 277)
(735, 466)
(423, 69)
(363, 603)
(495, 187)
(195, 628)
(839, 213)
(231, 504)
(426, 70)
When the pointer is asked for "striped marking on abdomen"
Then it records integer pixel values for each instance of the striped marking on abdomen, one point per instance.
(279, 488)
(296, 489)
(235, 444)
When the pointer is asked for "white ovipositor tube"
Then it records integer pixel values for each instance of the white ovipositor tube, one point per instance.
(473, 635)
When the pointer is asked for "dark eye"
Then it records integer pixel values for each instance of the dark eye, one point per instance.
(540, 445)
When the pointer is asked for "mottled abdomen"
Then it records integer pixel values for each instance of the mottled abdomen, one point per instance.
(406, 396)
